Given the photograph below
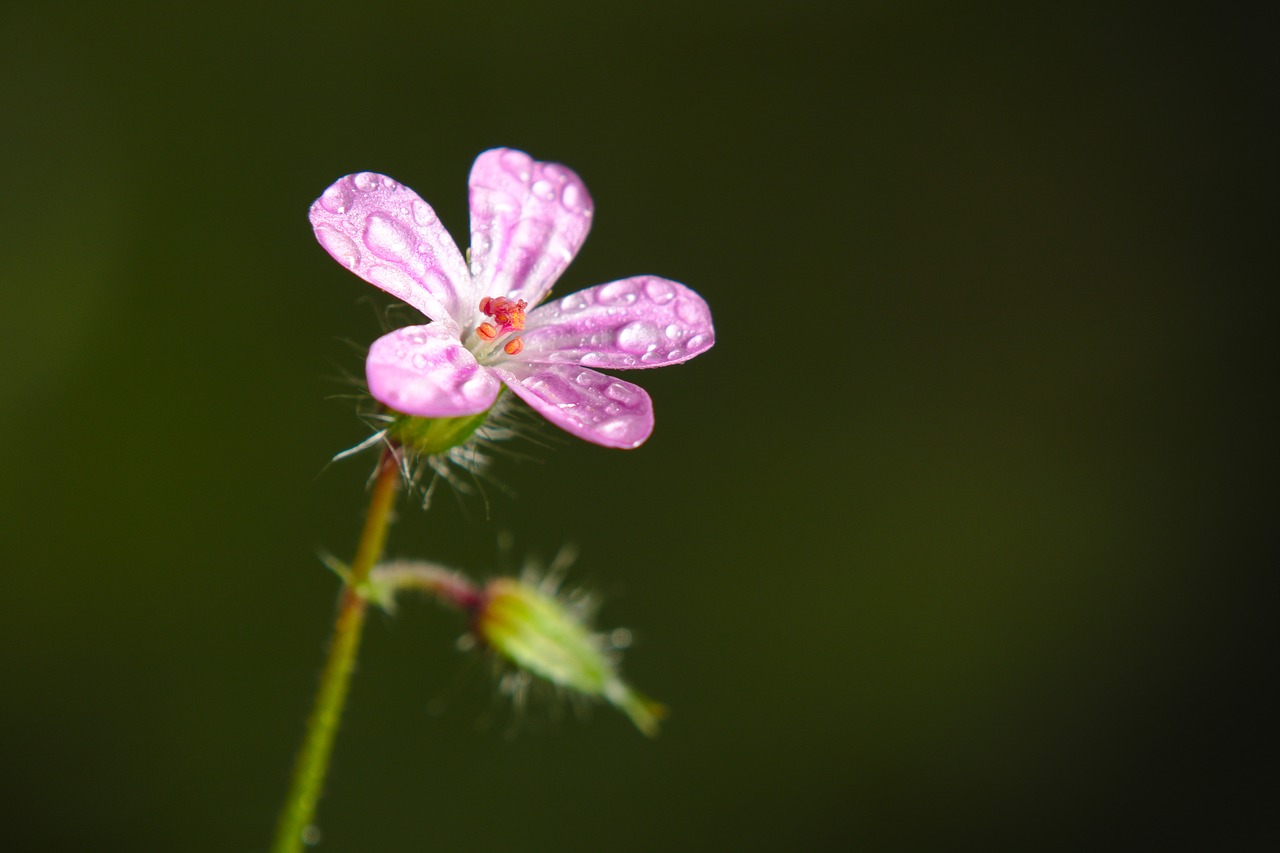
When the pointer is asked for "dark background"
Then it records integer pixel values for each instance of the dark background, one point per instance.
(953, 540)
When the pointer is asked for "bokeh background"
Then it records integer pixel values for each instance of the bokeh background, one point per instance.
(953, 541)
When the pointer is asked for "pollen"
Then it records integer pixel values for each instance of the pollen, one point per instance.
(513, 346)
(487, 331)
(507, 313)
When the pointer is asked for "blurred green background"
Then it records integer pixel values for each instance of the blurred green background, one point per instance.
(950, 542)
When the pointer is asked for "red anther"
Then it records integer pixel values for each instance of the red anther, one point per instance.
(513, 346)
(486, 331)
(509, 313)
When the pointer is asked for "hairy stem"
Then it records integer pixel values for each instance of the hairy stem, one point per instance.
(313, 758)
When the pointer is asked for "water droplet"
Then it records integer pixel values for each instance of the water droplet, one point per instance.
(342, 247)
(571, 197)
(555, 390)
(659, 291)
(420, 360)
(696, 341)
(573, 302)
(616, 292)
(517, 163)
(676, 354)
(627, 395)
(365, 181)
(586, 379)
(335, 198)
(673, 331)
(386, 237)
(615, 428)
(423, 215)
(543, 190)
(638, 337)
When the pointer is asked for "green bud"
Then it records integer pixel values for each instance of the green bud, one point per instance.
(542, 635)
(429, 436)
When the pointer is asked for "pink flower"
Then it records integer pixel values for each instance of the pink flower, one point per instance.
(528, 220)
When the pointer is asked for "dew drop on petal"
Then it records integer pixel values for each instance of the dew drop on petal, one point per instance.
(571, 197)
(572, 303)
(386, 237)
(391, 280)
(585, 379)
(517, 163)
(365, 181)
(638, 337)
(673, 331)
(555, 390)
(422, 213)
(544, 190)
(339, 245)
(675, 354)
(696, 341)
(335, 198)
(659, 291)
(615, 428)
(617, 292)
(627, 395)
(420, 361)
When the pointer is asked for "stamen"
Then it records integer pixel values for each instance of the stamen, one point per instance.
(486, 331)
(508, 313)
(513, 346)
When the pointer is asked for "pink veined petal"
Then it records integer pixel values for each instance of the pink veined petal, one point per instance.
(425, 371)
(637, 322)
(384, 233)
(528, 220)
(590, 405)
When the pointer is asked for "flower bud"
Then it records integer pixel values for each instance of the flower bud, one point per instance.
(542, 635)
(430, 436)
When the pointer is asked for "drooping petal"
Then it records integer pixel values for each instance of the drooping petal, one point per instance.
(528, 220)
(590, 405)
(384, 233)
(643, 321)
(425, 371)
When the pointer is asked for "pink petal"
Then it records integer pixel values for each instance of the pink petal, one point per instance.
(590, 405)
(425, 371)
(384, 233)
(528, 220)
(643, 321)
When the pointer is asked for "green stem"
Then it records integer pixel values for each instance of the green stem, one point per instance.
(313, 758)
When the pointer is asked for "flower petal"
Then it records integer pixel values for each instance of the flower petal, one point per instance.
(528, 220)
(384, 233)
(425, 371)
(643, 321)
(590, 405)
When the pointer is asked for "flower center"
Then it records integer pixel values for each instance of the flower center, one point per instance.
(508, 316)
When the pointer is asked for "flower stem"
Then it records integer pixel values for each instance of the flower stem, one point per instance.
(313, 758)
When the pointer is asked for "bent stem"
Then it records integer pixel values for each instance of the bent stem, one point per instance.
(313, 758)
